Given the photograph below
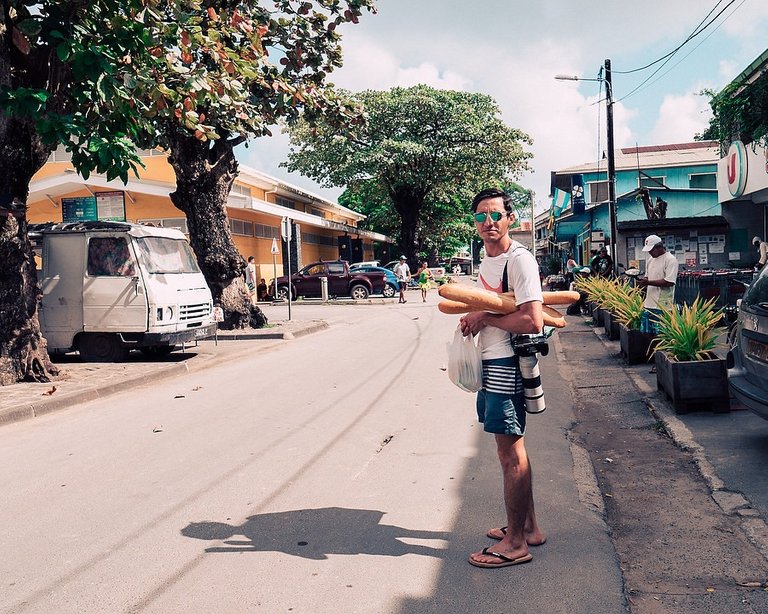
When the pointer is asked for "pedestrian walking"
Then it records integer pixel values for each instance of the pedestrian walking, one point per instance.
(425, 275)
(403, 273)
(507, 265)
(250, 276)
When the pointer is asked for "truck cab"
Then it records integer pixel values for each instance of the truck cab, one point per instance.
(109, 287)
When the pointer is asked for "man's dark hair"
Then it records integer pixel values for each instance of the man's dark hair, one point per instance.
(492, 193)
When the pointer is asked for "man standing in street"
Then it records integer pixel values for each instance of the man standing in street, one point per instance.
(403, 273)
(500, 403)
(659, 281)
(762, 249)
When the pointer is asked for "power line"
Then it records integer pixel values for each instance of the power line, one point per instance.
(669, 56)
(701, 42)
(696, 32)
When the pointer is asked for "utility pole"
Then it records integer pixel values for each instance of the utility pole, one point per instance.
(611, 164)
(533, 223)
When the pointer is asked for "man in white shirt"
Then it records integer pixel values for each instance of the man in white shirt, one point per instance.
(659, 282)
(403, 273)
(500, 403)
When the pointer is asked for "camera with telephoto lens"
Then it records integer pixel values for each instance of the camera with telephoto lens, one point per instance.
(526, 347)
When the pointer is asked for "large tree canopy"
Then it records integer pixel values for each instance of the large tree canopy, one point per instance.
(423, 152)
(217, 74)
(195, 76)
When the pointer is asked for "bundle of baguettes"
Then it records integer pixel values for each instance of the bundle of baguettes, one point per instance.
(463, 299)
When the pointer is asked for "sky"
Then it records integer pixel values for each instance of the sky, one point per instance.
(512, 50)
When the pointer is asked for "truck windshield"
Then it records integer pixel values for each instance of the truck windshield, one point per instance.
(164, 255)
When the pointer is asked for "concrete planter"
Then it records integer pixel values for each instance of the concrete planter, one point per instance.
(598, 315)
(634, 345)
(693, 385)
(611, 326)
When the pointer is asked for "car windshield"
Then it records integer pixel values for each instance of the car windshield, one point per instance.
(164, 255)
(757, 295)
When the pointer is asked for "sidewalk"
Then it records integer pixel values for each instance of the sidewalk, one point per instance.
(87, 381)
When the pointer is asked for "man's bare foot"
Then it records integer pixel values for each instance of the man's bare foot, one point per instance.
(533, 539)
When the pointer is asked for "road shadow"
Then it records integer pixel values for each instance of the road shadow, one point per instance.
(315, 534)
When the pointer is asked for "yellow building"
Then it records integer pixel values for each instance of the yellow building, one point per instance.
(256, 205)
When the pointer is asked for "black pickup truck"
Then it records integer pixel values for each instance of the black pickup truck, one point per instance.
(341, 282)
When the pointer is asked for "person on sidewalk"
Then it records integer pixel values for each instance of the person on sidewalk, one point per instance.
(403, 273)
(602, 264)
(425, 277)
(659, 282)
(250, 276)
(762, 250)
(500, 403)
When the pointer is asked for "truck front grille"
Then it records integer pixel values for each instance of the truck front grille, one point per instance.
(193, 312)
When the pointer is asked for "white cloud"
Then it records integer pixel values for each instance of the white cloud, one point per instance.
(514, 51)
(680, 118)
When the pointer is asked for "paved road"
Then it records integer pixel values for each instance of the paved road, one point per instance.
(339, 472)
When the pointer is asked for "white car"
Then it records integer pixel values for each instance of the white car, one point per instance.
(355, 265)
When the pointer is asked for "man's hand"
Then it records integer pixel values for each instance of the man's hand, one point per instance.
(642, 282)
(473, 322)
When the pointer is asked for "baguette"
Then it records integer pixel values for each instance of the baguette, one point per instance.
(551, 317)
(478, 299)
(487, 300)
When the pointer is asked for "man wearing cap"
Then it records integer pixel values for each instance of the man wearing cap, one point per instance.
(762, 249)
(403, 275)
(659, 282)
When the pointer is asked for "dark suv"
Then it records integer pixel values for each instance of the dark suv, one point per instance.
(748, 357)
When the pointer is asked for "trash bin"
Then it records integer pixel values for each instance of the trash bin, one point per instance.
(324, 289)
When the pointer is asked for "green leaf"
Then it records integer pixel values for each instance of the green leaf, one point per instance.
(63, 51)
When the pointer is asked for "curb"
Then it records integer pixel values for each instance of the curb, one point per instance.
(49, 405)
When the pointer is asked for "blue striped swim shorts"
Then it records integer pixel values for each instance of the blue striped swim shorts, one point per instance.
(500, 403)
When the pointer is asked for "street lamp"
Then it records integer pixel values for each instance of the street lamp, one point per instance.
(611, 156)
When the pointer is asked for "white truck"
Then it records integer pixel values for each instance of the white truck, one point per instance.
(109, 287)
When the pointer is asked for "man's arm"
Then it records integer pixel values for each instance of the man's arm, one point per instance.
(527, 319)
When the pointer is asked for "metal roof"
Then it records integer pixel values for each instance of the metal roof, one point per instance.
(654, 156)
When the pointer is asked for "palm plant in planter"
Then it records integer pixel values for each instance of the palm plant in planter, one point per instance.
(628, 309)
(687, 369)
(615, 297)
(596, 289)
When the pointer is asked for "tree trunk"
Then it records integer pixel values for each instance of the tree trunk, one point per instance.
(205, 173)
(408, 203)
(23, 350)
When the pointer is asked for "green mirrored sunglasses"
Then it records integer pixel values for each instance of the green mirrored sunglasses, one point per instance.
(495, 216)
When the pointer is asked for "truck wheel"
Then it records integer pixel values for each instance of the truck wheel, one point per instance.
(389, 291)
(282, 293)
(359, 293)
(101, 347)
(157, 351)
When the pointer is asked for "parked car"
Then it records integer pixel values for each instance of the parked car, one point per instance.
(356, 265)
(391, 286)
(341, 281)
(747, 358)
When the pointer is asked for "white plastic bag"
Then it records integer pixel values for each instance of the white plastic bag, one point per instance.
(465, 365)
